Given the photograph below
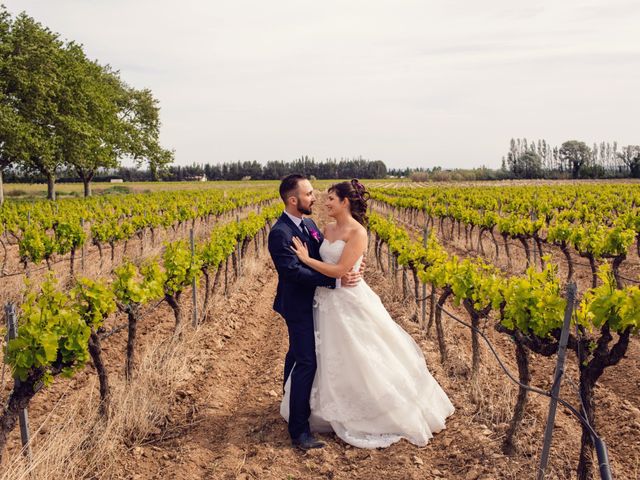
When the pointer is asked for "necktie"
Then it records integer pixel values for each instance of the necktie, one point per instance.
(304, 229)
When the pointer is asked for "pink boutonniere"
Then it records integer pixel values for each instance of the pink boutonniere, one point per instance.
(314, 233)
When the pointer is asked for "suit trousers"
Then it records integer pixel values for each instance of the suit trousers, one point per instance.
(300, 363)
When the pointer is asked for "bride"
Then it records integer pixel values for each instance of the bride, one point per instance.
(372, 387)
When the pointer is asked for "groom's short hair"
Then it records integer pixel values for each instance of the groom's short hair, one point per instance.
(289, 184)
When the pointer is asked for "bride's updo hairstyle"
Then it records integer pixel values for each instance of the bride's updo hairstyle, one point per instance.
(357, 195)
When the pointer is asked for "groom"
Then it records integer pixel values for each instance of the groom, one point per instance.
(294, 299)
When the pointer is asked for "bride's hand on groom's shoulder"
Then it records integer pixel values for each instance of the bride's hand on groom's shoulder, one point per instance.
(300, 249)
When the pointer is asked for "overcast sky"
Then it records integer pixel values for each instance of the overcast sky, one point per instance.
(412, 83)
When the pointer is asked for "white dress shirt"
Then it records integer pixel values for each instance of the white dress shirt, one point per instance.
(296, 220)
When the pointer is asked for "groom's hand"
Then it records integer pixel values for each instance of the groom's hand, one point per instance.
(351, 279)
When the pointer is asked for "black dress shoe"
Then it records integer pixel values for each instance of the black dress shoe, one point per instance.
(306, 441)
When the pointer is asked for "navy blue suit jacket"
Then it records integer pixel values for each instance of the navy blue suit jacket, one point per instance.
(296, 282)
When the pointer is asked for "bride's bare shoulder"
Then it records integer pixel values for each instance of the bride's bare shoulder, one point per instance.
(358, 231)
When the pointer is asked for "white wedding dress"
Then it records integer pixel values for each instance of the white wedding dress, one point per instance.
(372, 386)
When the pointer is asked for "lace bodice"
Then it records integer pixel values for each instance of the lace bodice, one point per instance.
(330, 252)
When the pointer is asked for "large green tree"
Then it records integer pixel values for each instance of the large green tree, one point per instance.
(140, 114)
(577, 154)
(58, 109)
(92, 131)
(630, 155)
(5, 113)
(110, 120)
(32, 93)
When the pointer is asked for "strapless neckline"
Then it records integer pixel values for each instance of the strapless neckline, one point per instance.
(334, 241)
(330, 254)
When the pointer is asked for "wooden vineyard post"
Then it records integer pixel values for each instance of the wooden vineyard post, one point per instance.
(23, 416)
(239, 254)
(226, 278)
(193, 283)
(256, 238)
(432, 309)
(84, 244)
(557, 378)
(423, 316)
(533, 242)
(405, 282)
(194, 289)
(396, 270)
(27, 272)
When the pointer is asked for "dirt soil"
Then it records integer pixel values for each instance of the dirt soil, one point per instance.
(225, 422)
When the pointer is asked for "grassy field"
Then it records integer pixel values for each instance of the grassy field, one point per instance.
(39, 190)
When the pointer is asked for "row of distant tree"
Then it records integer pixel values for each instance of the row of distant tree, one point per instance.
(273, 170)
(538, 159)
(573, 158)
(61, 111)
(524, 160)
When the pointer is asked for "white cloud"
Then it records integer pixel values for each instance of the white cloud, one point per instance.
(409, 82)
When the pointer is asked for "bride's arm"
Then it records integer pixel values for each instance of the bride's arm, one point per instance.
(352, 251)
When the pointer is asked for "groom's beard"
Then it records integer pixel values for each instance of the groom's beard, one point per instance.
(305, 211)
